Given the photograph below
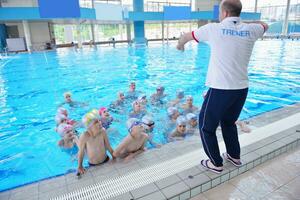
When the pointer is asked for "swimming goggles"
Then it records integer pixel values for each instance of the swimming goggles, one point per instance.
(136, 123)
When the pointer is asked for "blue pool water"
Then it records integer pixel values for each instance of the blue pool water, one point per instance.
(31, 86)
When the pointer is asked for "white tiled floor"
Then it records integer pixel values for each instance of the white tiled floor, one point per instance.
(276, 179)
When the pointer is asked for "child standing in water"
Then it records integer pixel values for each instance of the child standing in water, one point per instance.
(71, 102)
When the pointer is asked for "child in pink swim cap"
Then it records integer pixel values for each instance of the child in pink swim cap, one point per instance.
(105, 117)
(63, 112)
(69, 138)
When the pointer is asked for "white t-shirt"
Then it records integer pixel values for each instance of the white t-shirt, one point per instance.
(231, 43)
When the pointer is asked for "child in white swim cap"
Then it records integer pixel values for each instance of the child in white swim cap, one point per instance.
(192, 124)
(180, 130)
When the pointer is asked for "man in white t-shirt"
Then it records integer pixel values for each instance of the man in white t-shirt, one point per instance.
(231, 42)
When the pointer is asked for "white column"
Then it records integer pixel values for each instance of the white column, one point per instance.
(167, 32)
(163, 31)
(93, 32)
(79, 35)
(68, 33)
(255, 6)
(286, 20)
(121, 30)
(27, 35)
(128, 30)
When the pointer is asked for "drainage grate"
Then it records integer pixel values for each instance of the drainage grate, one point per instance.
(136, 179)
(133, 180)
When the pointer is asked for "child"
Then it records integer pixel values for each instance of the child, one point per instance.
(148, 125)
(93, 142)
(64, 112)
(188, 107)
(180, 130)
(132, 93)
(105, 119)
(70, 139)
(171, 121)
(120, 101)
(173, 114)
(158, 96)
(134, 142)
(70, 102)
(192, 123)
(143, 100)
(178, 100)
(137, 112)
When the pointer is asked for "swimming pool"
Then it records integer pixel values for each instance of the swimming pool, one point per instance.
(31, 86)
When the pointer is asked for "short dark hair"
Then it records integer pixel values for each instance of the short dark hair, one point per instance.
(233, 7)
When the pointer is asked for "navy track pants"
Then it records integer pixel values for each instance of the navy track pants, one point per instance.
(221, 107)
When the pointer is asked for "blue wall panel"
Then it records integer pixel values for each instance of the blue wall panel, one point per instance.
(140, 16)
(87, 13)
(203, 15)
(59, 8)
(15, 13)
(177, 12)
(32, 13)
(250, 16)
(216, 12)
(19, 13)
(276, 28)
(138, 5)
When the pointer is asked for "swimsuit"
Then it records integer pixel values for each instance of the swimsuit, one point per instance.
(106, 160)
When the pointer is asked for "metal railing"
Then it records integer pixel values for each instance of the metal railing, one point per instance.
(158, 6)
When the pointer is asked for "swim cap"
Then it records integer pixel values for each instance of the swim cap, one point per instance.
(90, 117)
(191, 116)
(61, 110)
(180, 93)
(63, 129)
(142, 96)
(131, 123)
(134, 102)
(147, 120)
(181, 120)
(59, 118)
(94, 111)
(160, 87)
(171, 111)
(101, 110)
(67, 94)
(189, 97)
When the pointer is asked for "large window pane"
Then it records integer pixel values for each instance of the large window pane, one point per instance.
(153, 31)
(105, 32)
(273, 12)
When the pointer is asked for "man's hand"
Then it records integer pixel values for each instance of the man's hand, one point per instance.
(180, 45)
